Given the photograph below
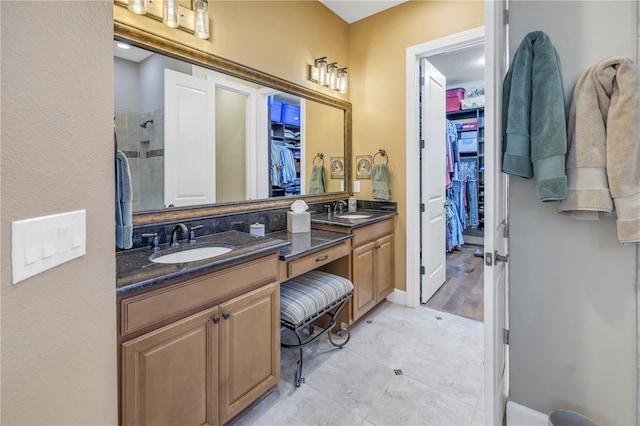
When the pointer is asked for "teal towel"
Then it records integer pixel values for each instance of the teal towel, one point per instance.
(124, 197)
(380, 182)
(317, 181)
(533, 116)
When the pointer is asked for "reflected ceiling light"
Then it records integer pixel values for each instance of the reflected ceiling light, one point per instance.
(194, 20)
(122, 45)
(328, 75)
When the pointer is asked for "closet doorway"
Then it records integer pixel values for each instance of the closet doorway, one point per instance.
(459, 287)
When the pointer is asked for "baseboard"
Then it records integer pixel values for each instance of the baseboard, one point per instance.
(519, 415)
(398, 296)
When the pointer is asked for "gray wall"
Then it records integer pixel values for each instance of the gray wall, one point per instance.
(573, 285)
(59, 327)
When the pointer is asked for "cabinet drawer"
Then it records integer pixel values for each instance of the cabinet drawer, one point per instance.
(144, 310)
(371, 232)
(314, 260)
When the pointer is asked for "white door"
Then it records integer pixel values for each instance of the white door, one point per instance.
(496, 225)
(433, 249)
(189, 140)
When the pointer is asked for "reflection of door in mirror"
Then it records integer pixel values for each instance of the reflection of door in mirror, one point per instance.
(286, 136)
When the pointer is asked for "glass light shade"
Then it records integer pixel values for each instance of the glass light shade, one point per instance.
(201, 11)
(342, 80)
(138, 6)
(170, 13)
(321, 64)
(333, 76)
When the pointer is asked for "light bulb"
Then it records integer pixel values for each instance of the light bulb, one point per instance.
(321, 64)
(200, 8)
(170, 13)
(342, 80)
(333, 76)
(138, 6)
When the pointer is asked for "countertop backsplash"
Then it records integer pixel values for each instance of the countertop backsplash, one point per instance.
(274, 220)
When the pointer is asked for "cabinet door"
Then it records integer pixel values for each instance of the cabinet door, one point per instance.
(249, 348)
(384, 273)
(169, 376)
(364, 292)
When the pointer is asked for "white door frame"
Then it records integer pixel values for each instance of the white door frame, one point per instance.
(462, 40)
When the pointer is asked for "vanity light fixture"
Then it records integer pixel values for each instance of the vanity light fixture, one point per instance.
(194, 20)
(200, 8)
(328, 75)
(332, 72)
(342, 80)
(170, 14)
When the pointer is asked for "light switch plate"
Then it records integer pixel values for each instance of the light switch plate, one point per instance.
(356, 186)
(41, 243)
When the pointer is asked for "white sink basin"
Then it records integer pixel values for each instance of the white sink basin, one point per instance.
(353, 216)
(189, 255)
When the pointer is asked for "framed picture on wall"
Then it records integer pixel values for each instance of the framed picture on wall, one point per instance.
(337, 167)
(363, 166)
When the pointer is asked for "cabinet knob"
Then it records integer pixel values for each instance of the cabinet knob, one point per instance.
(225, 315)
(378, 246)
(216, 319)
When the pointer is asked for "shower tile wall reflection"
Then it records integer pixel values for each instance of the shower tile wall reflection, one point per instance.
(144, 148)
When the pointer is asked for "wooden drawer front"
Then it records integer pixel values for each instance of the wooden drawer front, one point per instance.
(314, 260)
(149, 308)
(371, 232)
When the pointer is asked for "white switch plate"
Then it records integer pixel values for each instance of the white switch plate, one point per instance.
(43, 242)
(356, 186)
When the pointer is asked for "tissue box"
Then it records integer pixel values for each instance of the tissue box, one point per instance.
(298, 222)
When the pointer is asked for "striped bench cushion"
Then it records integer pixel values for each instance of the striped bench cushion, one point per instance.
(309, 293)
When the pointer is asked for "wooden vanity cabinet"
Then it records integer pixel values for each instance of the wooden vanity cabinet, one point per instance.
(372, 265)
(204, 368)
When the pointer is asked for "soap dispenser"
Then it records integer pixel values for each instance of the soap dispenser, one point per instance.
(353, 204)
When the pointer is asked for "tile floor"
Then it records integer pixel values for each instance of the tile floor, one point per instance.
(441, 380)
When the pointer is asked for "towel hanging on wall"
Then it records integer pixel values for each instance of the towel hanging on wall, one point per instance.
(124, 198)
(534, 127)
(317, 181)
(380, 179)
(603, 164)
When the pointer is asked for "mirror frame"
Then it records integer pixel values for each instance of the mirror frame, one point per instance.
(162, 45)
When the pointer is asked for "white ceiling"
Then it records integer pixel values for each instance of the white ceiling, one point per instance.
(460, 66)
(354, 10)
(131, 54)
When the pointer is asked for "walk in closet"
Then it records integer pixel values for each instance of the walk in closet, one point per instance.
(284, 147)
(462, 292)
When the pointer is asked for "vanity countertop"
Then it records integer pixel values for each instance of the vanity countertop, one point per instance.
(134, 270)
(303, 243)
(337, 220)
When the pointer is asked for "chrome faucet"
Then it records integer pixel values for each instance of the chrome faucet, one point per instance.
(338, 206)
(179, 229)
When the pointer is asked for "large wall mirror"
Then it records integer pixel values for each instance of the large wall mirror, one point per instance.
(206, 136)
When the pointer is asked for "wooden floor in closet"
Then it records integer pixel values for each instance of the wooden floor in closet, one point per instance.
(463, 291)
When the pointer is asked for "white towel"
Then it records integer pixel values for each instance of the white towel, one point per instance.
(124, 197)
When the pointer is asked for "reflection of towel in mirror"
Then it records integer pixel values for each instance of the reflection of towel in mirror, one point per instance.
(380, 182)
(124, 196)
(317, 181)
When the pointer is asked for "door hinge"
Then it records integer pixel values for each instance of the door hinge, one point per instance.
(506, 16)
(422, 79)
(505, 336)
(422, 208)
(422, 270)
(421, 143)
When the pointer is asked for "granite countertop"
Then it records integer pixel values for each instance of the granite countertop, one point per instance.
(134, 270)
(303, 243)
(337, 220)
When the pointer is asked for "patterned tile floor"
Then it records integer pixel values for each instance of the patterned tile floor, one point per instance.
(441, 382)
